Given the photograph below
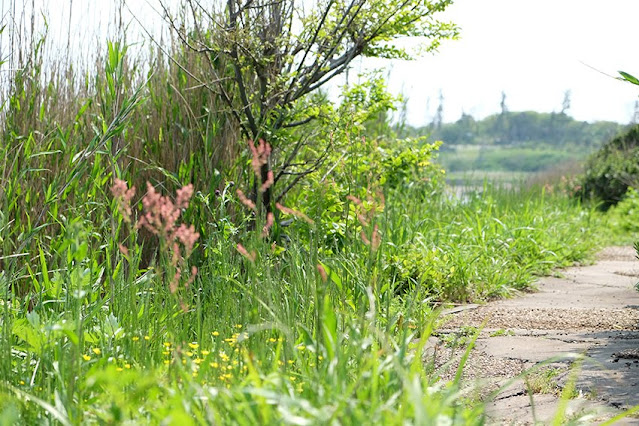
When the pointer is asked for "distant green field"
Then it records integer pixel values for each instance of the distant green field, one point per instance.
(478, 177)
(504, 159)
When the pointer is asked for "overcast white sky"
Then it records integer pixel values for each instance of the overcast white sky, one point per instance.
(533, 50)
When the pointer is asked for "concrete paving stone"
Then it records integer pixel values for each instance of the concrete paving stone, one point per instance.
(518, 410)
(533, 349)
(591, 310)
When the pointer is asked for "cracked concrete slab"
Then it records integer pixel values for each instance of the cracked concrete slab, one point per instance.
(590, 310)
(528, 349)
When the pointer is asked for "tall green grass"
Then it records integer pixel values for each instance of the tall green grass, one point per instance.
(490, 243)
(271, 340)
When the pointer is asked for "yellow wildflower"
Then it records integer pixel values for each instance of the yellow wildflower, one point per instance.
(86, 357)
(193, 346)
(96, 351)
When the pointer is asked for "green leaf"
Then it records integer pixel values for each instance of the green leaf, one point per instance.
(333, 276)
(629, 78)
(45, 272)
(23, 329)
(329, 328)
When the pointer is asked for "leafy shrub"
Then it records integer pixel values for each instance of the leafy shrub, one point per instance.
(612, 169)
(623, 217)
(484, 247)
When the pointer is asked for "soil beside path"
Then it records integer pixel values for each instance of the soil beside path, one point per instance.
(591, 310)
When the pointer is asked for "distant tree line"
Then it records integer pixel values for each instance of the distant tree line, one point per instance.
(526, 128)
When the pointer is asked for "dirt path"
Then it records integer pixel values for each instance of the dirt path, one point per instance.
(591, 310)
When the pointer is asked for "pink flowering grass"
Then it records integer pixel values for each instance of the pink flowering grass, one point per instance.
(260, 157)
(160, 216)
(366, 213)
(123, 196)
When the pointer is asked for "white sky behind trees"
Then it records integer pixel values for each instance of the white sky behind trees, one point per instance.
(533, 50)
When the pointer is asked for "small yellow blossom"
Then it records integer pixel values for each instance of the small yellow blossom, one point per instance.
(118, 369)
(189, 353)
(290, 361)
(167, 344)
(301, 347)
(128, 366)
(320, 357)
(135, 338)
(238, 325)
(22, 382)
(165, 352)
(272, 340)
(86, 357)
(96, 351)
(214, 365)
(205, 352)
(215, 333)
(147, 338)
(193, 346)
(166, 361)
